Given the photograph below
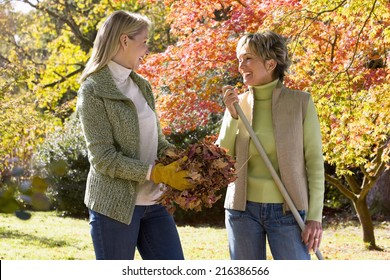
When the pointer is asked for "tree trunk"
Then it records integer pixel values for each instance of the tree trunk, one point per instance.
(361, 207)
(358, 195)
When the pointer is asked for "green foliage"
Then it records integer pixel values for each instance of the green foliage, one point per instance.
(62, 160)
(334, 198)
(183, 139)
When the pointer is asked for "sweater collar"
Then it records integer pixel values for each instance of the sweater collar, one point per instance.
(119, 73)
(105, 86)
(264, 92)
(247, 99)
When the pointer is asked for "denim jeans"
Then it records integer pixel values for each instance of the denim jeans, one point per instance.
(152, 230)
(248, 230)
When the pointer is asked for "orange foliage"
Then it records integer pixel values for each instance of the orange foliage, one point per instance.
(340, 54)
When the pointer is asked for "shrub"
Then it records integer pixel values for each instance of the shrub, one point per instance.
(62, 160)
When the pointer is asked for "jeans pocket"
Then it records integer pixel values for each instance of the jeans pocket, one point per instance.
(234, 214)
(288, 218)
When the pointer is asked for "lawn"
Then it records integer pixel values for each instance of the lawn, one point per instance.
(47, 236)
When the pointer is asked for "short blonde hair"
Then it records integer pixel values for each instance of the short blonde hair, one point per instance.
(106, 43)
(268, 45)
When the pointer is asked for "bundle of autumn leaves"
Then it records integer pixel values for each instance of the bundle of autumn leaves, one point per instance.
(210, 170)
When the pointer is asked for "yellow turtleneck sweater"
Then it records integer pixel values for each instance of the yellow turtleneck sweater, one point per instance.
(261, 186)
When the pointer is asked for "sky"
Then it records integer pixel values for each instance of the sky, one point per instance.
(20, 6)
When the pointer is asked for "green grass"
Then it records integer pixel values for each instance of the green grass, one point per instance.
(46, 236)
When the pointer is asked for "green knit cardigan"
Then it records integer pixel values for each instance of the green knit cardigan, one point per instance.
(110, 125)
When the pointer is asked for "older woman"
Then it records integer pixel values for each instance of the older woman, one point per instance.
(286, 123)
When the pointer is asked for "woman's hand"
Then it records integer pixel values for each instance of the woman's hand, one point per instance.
(230, 97)
(312, 235)
(172, 175)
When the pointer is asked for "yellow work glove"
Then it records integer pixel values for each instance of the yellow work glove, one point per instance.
(171, 175)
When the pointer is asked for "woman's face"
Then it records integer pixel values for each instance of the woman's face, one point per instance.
(132, 50)
(254, 70)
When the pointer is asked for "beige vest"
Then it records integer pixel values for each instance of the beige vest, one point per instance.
(288, 113)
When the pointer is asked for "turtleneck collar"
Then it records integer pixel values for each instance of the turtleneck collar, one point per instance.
(264, 92)
(119, 73)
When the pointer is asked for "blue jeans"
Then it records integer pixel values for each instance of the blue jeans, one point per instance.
(152, 230)
(248, 230)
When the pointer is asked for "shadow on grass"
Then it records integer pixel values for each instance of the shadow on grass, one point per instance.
(48, 242)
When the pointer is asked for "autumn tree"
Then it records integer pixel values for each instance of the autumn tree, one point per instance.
(341, 55)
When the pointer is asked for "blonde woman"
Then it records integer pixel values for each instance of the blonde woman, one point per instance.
(116, 108)
(286, 122)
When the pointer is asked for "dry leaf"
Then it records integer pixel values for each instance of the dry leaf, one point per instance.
(210, 170)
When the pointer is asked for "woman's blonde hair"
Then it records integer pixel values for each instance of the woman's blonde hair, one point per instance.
(106, 43)
(268, 45)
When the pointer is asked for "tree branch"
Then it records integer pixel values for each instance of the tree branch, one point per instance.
(11, 39)
(333, 44)
(67, 19)
(368, 182)
(315, 18)
(360, 34)
(380, 167)
(5, 59)
(378, 158)
(242, 4)
(336, 183)
(353, 184)
(356, 47)
(63, 78)
(318, 14)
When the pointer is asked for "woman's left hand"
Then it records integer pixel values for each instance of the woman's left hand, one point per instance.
(312, 235)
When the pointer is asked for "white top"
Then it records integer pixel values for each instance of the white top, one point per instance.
(148, 192)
